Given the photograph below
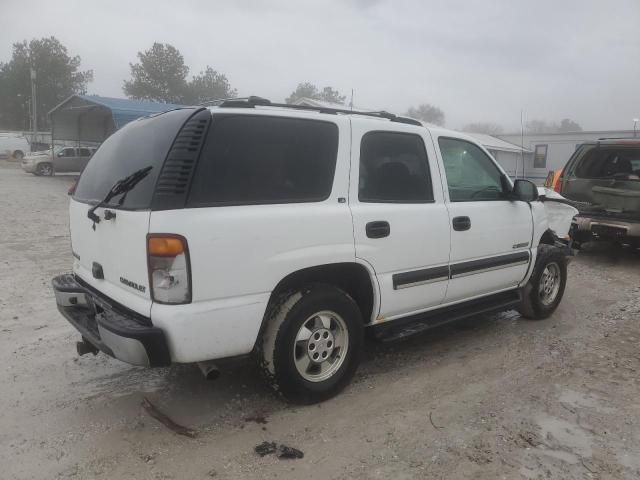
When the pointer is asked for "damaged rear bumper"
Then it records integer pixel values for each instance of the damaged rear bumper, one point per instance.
(593, 227)
(111, 328)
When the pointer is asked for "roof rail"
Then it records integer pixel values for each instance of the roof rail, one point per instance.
(620, 138)
(253, 101)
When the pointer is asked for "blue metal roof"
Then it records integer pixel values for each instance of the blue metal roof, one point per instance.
(125, 110)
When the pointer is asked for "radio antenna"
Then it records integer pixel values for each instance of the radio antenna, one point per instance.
(521, 142)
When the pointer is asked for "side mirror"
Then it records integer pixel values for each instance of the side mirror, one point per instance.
(60, 154)
(524, 190)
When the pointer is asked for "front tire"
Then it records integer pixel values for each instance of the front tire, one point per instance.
(18, 155)
(44, 169)
(312, 343)
(544, 290)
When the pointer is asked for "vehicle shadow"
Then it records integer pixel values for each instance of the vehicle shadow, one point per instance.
(240, 395)
(609, 253)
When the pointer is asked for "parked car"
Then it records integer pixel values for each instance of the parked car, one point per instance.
(64, 160)
(13, 145)
(284, 232)
(603, 179)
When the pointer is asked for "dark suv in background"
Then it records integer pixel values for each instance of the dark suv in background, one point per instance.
(603, 180)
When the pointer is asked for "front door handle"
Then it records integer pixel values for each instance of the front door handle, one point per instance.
(378, 229)
(461, 223)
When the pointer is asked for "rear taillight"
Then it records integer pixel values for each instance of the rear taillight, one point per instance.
(558, 184)
(169, 268)
(72, 188)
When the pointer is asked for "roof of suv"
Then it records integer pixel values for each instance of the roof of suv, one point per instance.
(253, 102)
(259, 104)
(614, 141)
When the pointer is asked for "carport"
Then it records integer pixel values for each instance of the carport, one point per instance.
(92, 118)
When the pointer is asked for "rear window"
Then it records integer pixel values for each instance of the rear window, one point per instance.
(608, 161)
(250, 159)
(137, 145)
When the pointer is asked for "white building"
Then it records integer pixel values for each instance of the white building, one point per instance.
(508, 155)
(551, 151)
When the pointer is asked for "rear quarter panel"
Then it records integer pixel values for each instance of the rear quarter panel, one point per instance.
(244, 250)
(238, 256)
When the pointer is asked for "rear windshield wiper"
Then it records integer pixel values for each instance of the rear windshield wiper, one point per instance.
(121, 187)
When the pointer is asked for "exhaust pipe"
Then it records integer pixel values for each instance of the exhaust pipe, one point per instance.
(85, 347)
(209, 370)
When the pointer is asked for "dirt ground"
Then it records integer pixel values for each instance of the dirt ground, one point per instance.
(492, 397)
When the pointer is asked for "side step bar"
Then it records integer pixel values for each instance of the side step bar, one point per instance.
(404, 327)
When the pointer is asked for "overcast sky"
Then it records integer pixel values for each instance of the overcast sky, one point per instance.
(481, 60)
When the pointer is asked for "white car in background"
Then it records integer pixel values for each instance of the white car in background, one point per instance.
(13, 145)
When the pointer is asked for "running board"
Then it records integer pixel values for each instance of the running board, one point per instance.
(404, 327)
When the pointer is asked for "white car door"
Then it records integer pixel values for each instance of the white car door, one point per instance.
(491, 235)
(401, 224)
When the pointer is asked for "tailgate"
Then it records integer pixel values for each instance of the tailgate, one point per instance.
(118, 248)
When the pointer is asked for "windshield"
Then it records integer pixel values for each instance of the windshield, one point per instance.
(139, 144)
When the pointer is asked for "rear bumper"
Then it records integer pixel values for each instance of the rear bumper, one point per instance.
(110, 328)
(586, 227)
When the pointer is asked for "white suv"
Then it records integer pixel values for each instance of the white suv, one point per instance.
(286, 231)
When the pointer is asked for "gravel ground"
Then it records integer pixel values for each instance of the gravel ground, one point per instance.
(491, 397)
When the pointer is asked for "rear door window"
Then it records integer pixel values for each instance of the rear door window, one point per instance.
(249, 159)
(68, 152)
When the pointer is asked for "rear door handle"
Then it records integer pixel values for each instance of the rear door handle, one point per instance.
(461, 223)
(378, 229)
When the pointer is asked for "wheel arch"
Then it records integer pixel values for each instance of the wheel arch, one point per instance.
(352, 277)
(548, 237)
(356, 278)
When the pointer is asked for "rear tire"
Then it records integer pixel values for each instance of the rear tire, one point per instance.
(312, 343)
(44, 169)
(544, 290)
(18, 155)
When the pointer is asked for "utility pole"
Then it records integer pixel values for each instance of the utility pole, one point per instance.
(34, 110)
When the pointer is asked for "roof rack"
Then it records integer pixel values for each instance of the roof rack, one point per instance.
(218, 101)
(253, 101)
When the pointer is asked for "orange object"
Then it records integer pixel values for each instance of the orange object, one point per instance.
(553, 180)
(165, 246)
(548, 182)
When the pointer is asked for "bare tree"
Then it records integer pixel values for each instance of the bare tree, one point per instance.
(427, 113)
(568, 125)
(309, 90)
(161, 75)
(483, 127)
(59, 75)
